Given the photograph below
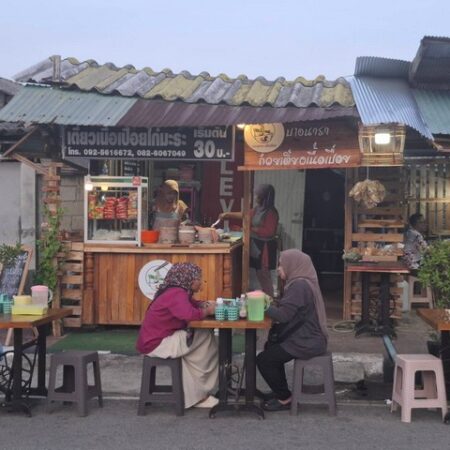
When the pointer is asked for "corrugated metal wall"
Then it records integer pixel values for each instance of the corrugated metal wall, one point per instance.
(289, 200)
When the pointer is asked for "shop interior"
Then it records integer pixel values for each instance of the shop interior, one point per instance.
(323, 232)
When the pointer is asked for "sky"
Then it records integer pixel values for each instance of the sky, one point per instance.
(287, 38)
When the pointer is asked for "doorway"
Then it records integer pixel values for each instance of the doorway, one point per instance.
(323, 232)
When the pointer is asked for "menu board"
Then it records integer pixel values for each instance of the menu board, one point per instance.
(12, 278)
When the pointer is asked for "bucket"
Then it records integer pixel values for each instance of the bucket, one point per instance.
(41, 295)
(257, 303)
(205, 235)
(168, 235)
(186, 235)
(165, 223)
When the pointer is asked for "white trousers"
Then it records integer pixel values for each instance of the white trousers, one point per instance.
(199, 361)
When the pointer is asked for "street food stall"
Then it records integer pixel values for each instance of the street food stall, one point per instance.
(124, 263)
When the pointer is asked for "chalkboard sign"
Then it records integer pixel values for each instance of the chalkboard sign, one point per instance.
(12, 278)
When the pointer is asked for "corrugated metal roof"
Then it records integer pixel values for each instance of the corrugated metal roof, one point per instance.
(159, 113)
(373, 66)
(435, 109)
(9, 87)
(129, 82)
(45, 104)
(381, 100)
(431, 65)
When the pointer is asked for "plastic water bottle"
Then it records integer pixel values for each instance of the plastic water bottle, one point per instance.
(243, 308)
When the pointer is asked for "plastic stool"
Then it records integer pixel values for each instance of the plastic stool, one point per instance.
(150, 392)
(405, 394)
(325, 395)
(425, 295)
(75, 387)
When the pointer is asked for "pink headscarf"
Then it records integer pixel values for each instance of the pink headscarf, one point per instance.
(298, 265)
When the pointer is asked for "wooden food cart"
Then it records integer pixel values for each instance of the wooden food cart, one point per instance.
(111, 292)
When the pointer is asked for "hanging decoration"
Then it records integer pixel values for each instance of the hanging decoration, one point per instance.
(368, 192)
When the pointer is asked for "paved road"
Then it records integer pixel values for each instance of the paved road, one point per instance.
(116, 426)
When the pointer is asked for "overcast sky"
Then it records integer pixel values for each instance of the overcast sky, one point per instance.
(286, 38)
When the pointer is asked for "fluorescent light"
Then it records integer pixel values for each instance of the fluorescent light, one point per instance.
(88, 186)
(382, 138)
(241, 126)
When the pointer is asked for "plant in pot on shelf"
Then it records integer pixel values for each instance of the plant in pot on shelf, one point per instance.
(434, 271)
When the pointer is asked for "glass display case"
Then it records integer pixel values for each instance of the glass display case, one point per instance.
(115, 209)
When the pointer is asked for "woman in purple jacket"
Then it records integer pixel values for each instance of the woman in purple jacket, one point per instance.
(164, 333)
(302, 325)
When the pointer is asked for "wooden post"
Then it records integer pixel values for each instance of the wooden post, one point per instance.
(87, 311)
(246, 230)
(349, 181)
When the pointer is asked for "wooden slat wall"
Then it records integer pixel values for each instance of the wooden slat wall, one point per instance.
(72, 282)
(428, 192)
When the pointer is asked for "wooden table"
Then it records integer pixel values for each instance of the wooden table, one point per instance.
(225, 358)
(383, 324)
(18, 323)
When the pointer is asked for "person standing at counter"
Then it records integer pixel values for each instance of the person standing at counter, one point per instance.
(167, 204)
(263, 241)
(301, 325)
(164, 333)
(415, 244)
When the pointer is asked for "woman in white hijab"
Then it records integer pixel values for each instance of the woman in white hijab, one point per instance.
(301, 325)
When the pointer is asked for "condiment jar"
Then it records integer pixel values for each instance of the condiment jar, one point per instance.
(219, 312)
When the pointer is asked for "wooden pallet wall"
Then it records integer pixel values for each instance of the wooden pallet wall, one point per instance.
(72, 275)
(368, 228)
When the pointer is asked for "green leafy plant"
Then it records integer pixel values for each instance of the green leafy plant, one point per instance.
(434, 272)
(9, 253)
(50, 246)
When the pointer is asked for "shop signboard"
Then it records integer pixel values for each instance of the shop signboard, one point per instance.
(301, 145)
(181, 144)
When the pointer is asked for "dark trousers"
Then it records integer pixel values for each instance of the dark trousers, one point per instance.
(270, 363)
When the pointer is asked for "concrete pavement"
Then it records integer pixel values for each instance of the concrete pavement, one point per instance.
(116, 426)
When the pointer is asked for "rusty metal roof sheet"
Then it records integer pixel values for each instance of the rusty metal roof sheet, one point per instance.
(54, 105)
(185, 87)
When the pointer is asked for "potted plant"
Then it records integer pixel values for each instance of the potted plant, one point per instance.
(9, 253)
(50, 248)
(434, 272)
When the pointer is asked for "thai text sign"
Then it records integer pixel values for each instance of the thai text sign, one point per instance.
(191, 144)
(302, 145)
